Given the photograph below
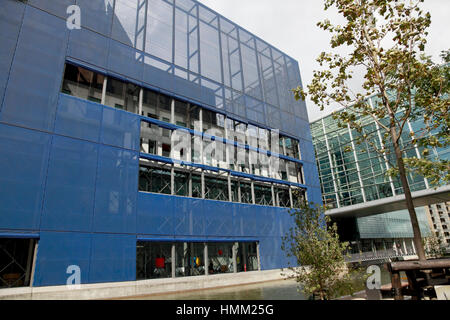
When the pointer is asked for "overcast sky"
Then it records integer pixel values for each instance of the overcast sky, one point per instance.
(290, 25)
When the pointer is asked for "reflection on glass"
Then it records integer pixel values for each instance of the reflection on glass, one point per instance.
(122, 95)
(82, 83)
(189, 259)
(153, 260)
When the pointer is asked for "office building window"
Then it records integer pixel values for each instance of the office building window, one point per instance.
(122, 95)
(82, 83)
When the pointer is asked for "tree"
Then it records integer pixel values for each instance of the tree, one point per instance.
(320, 255)
(386, 40)
(434, 246)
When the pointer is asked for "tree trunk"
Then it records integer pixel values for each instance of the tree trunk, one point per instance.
(409, 202)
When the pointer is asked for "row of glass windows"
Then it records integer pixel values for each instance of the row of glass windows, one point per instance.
(156, 140)
(173, 180)
(182, 259)
(115, 93)
(338, 170)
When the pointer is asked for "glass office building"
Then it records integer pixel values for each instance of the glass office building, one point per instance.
(92, 174)
(352, 173)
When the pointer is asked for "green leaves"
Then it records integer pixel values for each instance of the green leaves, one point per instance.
(314, 242)
(385, 39)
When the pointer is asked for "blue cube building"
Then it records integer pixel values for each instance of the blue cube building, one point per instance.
(93, 94)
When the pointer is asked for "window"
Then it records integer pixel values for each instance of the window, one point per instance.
(263, 195)
(82, 83)
(16, 260)
(155, 179)
(246, 192)
(122, 95)
(153, 260)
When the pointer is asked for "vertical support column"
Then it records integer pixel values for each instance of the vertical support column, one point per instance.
(374, 248)
(200, 116)
(291, 198)
(33, 266)
(105, 83)
(190, 184)
(172, 180)
(405, 250)
(244, 256)
(203, 184)
(172, 111)
(206, 258)
(141, 99)
(258, 256)
(252, 185)
(239, 190)
(174, 260)
(358, 170)
(234, 257)
(331, 165)
(274, 200)
(29, 261)
(230, 191)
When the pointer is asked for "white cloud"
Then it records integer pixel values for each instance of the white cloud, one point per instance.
(290, 25)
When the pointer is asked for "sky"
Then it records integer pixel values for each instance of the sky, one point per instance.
(290, 26)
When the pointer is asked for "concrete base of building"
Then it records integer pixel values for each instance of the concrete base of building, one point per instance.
(141, 288)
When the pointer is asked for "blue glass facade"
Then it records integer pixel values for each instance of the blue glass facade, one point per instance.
(69, 167)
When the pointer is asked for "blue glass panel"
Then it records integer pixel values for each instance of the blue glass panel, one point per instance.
(23, 166)
(78, 118)
(187, 5)
(186, 41)
(125, 60)
(89, 47)
(306, 150)
(250, 217)
(10, 21)
(255, 110)
(160, 74)
(210, 52)
(300, 109)
(58, 8)
(268, 79)
(314, 195)
(158, 40)
(187, 84)
(239, 218)
(189, 217)
(155, 214)
(38, 66)
(239, 107)
(212, 93)
(250, 71)
(57, 252)
(113, 258)
(120, 129)
(129, 23)
(302, 129)
(69, 192)
(268, 221)
(273, 116)
(270, 246)
(288, 123)
(311, 174)
(97, 15)
(116, 191)
(218, 219)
